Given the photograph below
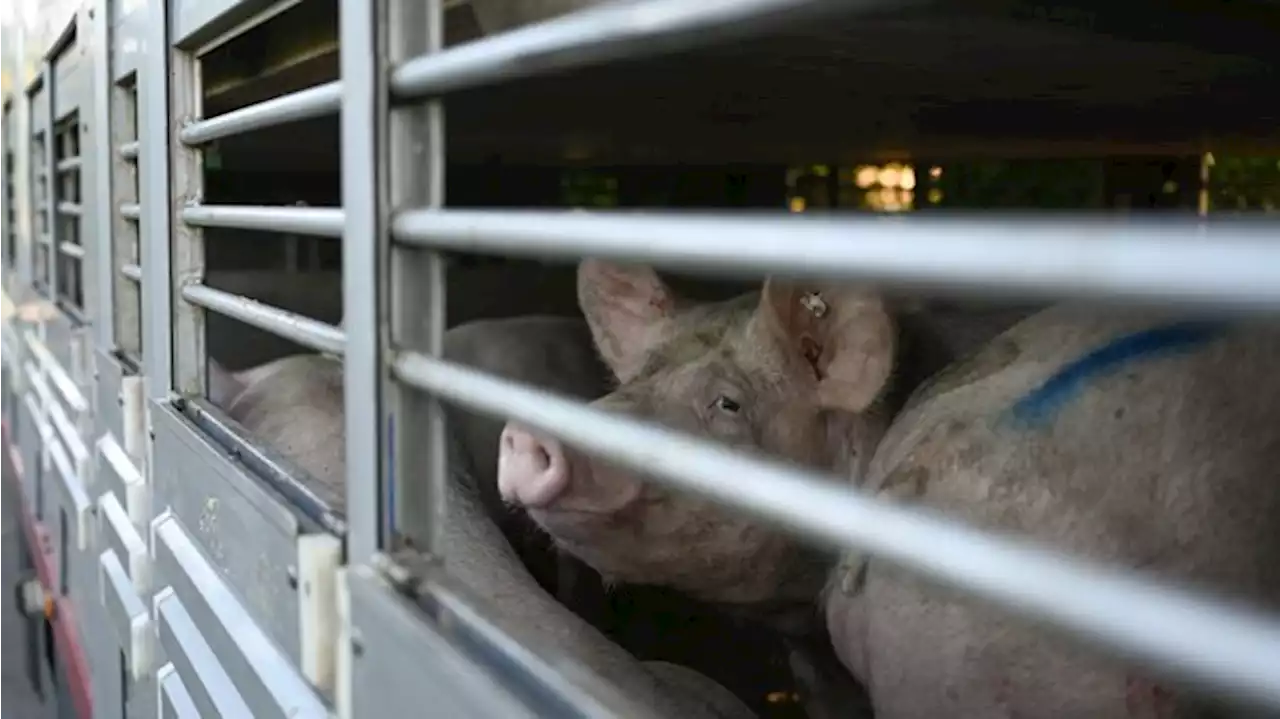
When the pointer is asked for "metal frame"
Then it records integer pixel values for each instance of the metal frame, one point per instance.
(7, 186)
(123, 276)
(364, 233)
(1234, 265)
(154, 216)
(414, 482)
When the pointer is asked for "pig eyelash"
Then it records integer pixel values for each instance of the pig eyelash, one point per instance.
(724, 404)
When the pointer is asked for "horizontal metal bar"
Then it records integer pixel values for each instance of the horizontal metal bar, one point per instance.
(131, 211)
(129, 150)
(69, 164)
(71, 249)
(302, 105)
(1227, 264)
(67, 387)
(1224, 646)
(132, 272)
(289, 325)
(70, 208)
(594, 36)
(318, 221)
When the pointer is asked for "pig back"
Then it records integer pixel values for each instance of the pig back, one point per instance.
(1132, 438)
(295, 406)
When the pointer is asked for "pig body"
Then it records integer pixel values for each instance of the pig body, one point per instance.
(1124, 436)
(295, 405)
(1130, 438)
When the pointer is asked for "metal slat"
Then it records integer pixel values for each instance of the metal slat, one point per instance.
(70, 208)
(1233, 264)
(1221, 645)
(69, 164)
(317, 221)
(289, 325)
(132, 272)
(71, 249)
(599, 35)
(129, 150)
(131, 211)
(302, 105)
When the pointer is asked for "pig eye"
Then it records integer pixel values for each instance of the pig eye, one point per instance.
(724, 404)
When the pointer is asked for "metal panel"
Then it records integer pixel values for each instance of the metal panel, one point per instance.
(171, 696)
(71, 72)
(403, 664)
(108, 409)
(247, 531)
(264, 676)
(126, 615)
(128, 21)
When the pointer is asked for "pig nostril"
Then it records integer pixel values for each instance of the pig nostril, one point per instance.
(544, 459)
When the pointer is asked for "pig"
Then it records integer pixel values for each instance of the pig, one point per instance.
(1125, 436)
(295, 405)
(763, 372)
(1133, 438)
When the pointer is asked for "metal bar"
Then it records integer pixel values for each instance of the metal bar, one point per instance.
(7, 157)
(363, 108)
(1229, 264)
(57, 373)
(69, 164)
(70, 208)
(294, 327)
(415, 157)
(154, 190)
(100, 294)
(602, 34)
(132, 272)
(317, 221)
(131, 211)
(315, 101)
(1225, 646)
(71, 249)
(129, 150)
(47, 163)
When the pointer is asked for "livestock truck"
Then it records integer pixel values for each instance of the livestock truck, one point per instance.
(193, 184)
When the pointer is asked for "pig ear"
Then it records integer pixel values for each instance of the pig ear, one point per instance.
(626, 307)
(842, 337)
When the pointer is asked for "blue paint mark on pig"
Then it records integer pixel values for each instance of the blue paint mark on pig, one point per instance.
(1039, 406)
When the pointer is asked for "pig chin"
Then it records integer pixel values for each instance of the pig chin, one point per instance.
(664, 540)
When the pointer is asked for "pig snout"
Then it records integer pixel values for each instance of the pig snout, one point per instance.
(532, 471)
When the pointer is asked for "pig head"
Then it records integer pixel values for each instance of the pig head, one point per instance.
(793, 371)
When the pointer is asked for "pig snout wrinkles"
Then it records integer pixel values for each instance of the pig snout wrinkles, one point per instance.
(532, 471)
